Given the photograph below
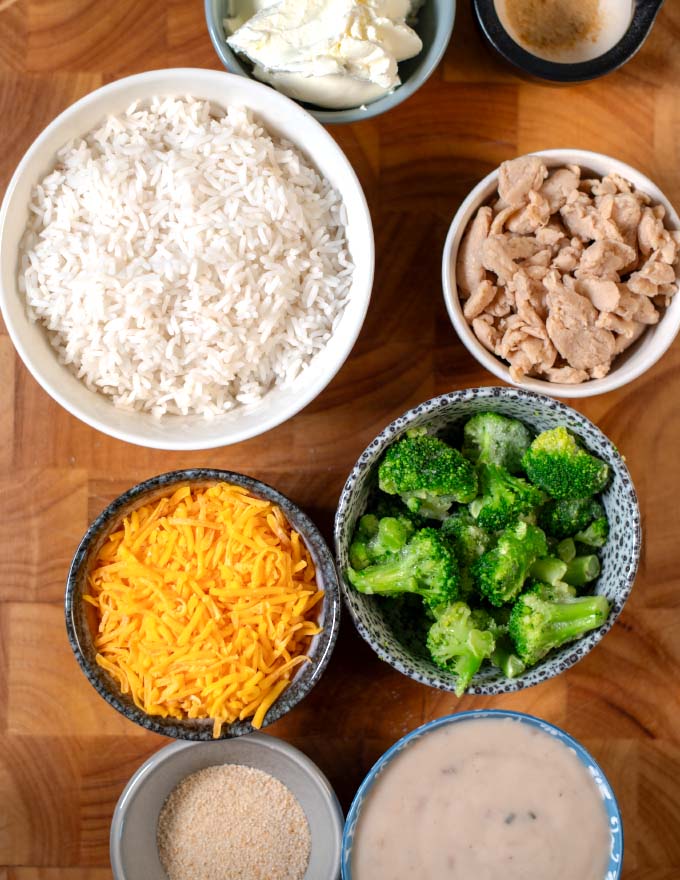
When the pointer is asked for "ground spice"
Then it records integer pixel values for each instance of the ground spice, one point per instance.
(554, 24)
(231, 822)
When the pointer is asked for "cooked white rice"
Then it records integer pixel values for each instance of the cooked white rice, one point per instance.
(185, 261)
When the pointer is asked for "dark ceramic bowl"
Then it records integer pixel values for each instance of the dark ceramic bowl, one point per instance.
(434, 27)
(78, 627)
(644, 15)
(395, 633)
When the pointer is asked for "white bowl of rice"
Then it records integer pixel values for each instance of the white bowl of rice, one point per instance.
(186, 259)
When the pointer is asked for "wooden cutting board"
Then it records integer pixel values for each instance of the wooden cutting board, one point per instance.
(65, 755)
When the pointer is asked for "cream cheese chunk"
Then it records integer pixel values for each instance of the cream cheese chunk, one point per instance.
(333, 53)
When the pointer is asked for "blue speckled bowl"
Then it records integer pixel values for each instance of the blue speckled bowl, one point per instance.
(392, 632)
(608, 796)
(78, 627)
(434, 26)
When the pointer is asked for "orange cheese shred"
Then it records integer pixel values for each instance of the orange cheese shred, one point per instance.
(206, 605)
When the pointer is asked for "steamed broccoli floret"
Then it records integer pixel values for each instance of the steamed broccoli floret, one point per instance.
(539, 624)
(366, 528)
(561, 467)
(499, 575)
(563, 519)
(596, 534)
(469, 539)
(426, 565)
(504, 498)
(375, 538)
(383, 505)
(459, 642)
(427, 474)
(489, 438)
(552, 592)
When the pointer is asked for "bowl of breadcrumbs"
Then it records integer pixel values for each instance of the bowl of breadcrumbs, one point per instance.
(253, 808)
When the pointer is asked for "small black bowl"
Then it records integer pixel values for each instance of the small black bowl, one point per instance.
(644, 15)
(78, 625)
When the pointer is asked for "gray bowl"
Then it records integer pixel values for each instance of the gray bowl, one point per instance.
(435, 26)
(133, 849)
(78, 625)
(394, 635)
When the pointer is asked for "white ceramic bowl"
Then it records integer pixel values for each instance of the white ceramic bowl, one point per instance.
(281, 116)
(134, 854)
(653, 343)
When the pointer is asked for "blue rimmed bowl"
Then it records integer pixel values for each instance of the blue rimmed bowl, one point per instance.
(79, 625)
(393, 633)
(434, 27)
(609, 801)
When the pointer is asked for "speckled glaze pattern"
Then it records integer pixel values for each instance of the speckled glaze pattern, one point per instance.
(393, 634)
(78, 627)
(608, 798)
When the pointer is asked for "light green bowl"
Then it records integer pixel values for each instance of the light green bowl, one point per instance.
(435, 26)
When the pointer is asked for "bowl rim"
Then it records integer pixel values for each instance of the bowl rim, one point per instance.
(614, 379)
(168, 752)
(182, 81)
(109, 518)
(376, 448)
(430, 60)
(606, 790)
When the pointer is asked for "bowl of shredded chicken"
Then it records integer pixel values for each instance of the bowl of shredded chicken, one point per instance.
(561, 270)
(202, 604)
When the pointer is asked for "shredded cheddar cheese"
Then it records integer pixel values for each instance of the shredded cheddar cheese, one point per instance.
(205, 602)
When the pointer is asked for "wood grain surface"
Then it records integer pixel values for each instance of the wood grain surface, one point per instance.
(65, 755)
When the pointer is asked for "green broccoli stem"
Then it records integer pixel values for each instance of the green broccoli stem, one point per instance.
(506, 660)
(566, 550)
(466, 666)
(548, 570)
(582, 570)
(582, 614)
(389, 576)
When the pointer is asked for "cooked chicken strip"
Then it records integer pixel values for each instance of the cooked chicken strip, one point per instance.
(573, 329)
(568, 257)
(605, 258)
(502, 304)
(487, 333)
(653, 235)
(624, 341)
(649, 279)
(603, 294)
(585, 221)
(566, 375)
(469, 269)
(552, 235)
(559, 185)
(500, 253)
(479, 300)
(532, 217)
(633, 307)
(626, 212)
(530, 300)
(518, 177)
(500, 219)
